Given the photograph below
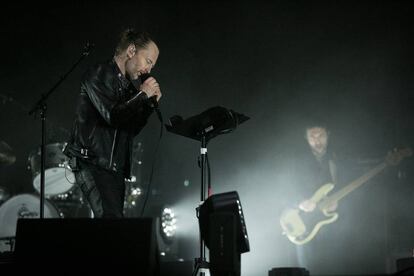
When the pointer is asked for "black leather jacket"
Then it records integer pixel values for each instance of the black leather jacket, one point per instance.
(110, 112)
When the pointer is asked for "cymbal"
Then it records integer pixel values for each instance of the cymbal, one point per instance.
(4, 194)
(6, 154)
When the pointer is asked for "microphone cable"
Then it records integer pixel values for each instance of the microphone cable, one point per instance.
(159, 115)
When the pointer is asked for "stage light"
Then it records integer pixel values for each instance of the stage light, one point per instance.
(136, 191)
(133, 194)
(168, 224)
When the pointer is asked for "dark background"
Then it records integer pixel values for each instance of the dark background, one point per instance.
(278, 62)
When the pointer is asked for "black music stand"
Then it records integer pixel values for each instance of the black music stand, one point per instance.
(204, 127)
(41, 106)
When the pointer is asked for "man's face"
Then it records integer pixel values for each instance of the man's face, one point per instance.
(317, 138)
(142, 61)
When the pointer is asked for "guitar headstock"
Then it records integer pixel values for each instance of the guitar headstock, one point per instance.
(394, 158)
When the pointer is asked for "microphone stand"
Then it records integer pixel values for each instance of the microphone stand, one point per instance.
(41, 106)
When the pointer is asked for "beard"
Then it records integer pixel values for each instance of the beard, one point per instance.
(319, 152)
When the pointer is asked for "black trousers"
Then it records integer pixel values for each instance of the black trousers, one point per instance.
(104, 190)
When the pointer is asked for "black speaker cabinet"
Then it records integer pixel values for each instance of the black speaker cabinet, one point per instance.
(224, 254)
(82, 246)
(405, 266)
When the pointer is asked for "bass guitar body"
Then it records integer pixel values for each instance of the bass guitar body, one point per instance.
(301, 227)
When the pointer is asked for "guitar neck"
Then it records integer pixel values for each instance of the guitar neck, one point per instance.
(335, 197)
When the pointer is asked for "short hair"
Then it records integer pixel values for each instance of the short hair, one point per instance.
(316, 124)
(131, 36)
(309, 126)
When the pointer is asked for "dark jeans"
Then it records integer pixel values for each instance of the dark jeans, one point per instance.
(104, 190)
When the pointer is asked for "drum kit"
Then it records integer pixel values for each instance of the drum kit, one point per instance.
(63, 198)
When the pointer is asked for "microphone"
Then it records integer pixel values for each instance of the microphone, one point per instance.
(153, 99)
(144, 77)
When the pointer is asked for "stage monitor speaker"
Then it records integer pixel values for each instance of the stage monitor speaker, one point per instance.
(405, 266)
(224, 254)
(83, 245)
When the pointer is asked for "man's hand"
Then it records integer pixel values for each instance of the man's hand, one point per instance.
(152, 88)
(307, 205)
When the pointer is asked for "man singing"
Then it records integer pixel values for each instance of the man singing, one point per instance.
(110, 112)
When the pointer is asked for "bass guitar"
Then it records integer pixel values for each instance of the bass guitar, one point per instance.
(301, 227)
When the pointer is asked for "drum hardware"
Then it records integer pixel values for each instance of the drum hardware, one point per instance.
(6, 154)
(59, 179)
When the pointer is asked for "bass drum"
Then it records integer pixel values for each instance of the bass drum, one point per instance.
(22, 206)
(59, 178)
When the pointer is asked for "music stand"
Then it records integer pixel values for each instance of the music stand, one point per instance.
(204, 127)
